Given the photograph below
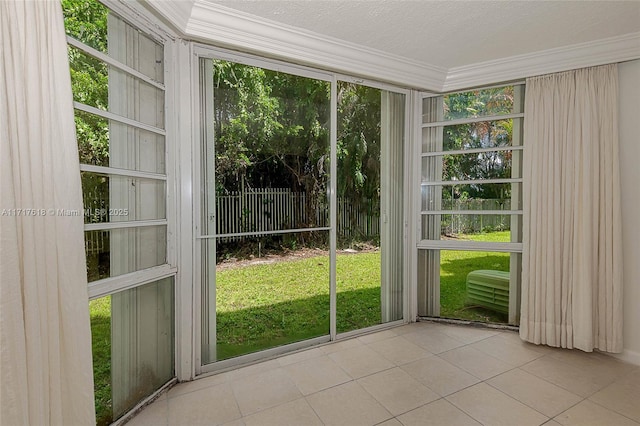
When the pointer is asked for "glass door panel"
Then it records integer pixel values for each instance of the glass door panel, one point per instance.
(369, 261)
(264, 209)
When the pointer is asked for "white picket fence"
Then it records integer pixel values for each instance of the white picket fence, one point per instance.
(468, 224)
(269, 209)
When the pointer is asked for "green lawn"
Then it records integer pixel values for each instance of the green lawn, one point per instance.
(263, 306)
(267, 305)
(454, 267)
(100, 310)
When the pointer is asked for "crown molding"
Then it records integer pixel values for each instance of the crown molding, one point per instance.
(598, 52)
(177, 13)
(227, 27)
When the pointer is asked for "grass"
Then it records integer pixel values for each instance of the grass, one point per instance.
(454, 267)
(100, 310)
(289, 301)
(267, 305)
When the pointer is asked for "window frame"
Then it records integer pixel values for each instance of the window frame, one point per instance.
(199, 51)
(515, 248)
(154, 31)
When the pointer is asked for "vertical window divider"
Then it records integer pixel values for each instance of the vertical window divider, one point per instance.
(333, 208)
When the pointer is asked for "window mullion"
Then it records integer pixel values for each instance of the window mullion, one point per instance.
(115, 117)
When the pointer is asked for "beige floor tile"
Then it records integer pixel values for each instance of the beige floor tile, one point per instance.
(210, 406)
(476, 362)
(316, 374)
(588, 413)
(198, 384)
(375, 337)
(249, 370)
(397, 374)
(360, 361)
(468, 334)
(294, 413)
(597, 363)
(390, 422)
(411, 328)
(433, 340)
(623, 396)
(538, 394)
(155, 414)
(514, 337)
(348, 404)
(341, 346)
(399, 350)
(439, 375)
(437, 413)
(238, 422)
(300, 356)
(265, 390)
(578, 380)
(489, 406)
(397, 391)
(506, 350)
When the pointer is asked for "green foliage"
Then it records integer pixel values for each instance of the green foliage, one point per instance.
(358, 146)
(86, 20)
(484, 134)
(271, 129)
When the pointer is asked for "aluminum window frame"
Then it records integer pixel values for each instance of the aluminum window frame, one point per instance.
(199, 51)
(161, 35)
(514, 248)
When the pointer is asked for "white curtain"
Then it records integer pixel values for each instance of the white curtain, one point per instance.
(572, 270)
(45, 341)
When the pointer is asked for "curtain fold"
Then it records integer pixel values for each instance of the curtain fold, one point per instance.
(572, 235)
(45, 338)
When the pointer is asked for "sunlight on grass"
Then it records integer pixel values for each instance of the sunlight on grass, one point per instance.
(267, 305)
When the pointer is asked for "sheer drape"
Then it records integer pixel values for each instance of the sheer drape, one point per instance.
(572, 270)
(45, 342)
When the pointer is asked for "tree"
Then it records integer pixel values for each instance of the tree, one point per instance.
(484, 134)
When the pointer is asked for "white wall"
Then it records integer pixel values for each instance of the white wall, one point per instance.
(629, 126)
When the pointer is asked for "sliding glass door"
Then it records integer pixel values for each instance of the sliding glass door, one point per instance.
(370, 217)
(301, 229)
(264, 209)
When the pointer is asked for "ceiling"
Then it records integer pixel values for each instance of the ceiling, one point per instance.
(434, 45)
(453, 33)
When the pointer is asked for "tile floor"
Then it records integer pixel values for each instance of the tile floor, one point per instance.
(418, 374)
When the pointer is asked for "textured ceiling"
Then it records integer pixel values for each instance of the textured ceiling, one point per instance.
(453, 33)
